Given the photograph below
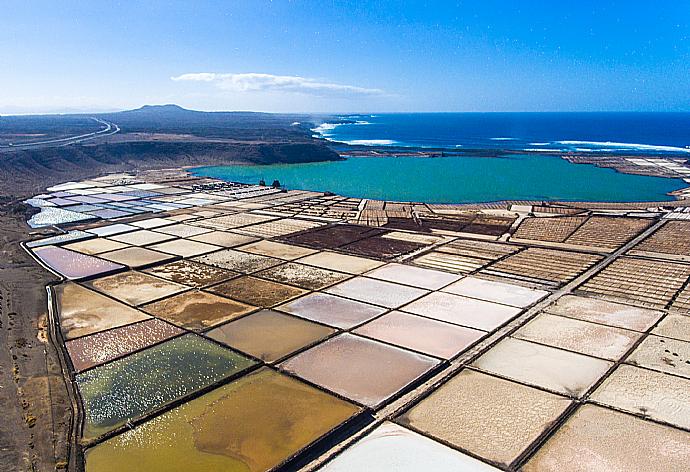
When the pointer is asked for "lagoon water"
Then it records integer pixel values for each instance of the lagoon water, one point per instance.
(457, 179)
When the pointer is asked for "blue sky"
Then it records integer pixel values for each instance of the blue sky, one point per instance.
(342, 56)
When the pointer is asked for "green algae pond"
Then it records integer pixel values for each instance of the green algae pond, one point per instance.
(125, 389)
(251, 424)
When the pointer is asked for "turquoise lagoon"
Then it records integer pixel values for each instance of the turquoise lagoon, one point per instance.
(456, 179)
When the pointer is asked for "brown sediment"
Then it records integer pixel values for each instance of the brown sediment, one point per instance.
(662, 354)
(101, 347)
(191, 273)
(83, 311)
(135, 288)
(257, 292)
(594, 438)
(494, 418)
(333, 236)
(197, 310)
(278, 250)
(298, 415)
(223, 238)
(646, 392)
(95, 246)
(307, 277)
(269, 335)
(136, 257)
(381, 248)
(184, 247)
(251, 424)
(238, 261)
(142, 237)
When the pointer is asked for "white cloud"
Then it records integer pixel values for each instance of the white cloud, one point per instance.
(256, 82)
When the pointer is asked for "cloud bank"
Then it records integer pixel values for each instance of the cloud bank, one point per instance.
(257, 82)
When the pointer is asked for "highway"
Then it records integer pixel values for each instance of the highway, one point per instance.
(108, 129)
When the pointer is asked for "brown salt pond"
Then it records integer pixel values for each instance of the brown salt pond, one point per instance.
(191, 273)
(74, 265)
(348, 365)
(663, 354)
(141, 238)
(278, 250)
(137, 257)
(491, 417)
(95, 246)
(185, 247)
(269, 335)
(223, 238)
(238, 261)
(604, 312)
(249, 425)
(197, 310)
(333, 236)
(646, 392)
(83, 311)
(595, 438)
(104, 346)
(135, 288)
(381, 248)
(303, 276)
(257, 292)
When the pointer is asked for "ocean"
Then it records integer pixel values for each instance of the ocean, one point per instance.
(638, 133)
(527, 175)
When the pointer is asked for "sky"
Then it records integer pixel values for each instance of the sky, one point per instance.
(345, 56)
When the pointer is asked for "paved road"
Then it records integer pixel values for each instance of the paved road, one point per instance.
(107, 130)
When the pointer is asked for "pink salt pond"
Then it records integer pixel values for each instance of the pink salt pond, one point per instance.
(74, 265)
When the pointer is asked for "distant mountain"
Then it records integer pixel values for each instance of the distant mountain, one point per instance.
(173, 118)
(159, 109)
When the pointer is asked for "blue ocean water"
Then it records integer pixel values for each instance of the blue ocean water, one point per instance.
(638, 133)
(528, 175)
